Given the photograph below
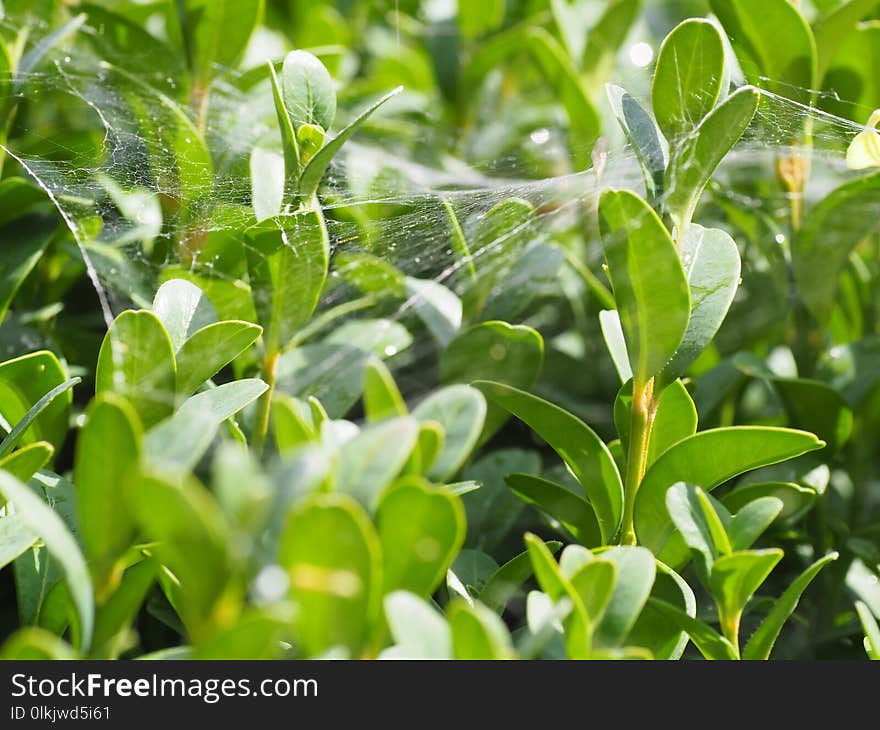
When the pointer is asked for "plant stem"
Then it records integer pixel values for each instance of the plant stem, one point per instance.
(642, 420)
(264, 405)
(730, 628)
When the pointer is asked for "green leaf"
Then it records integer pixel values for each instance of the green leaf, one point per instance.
(761, 643)
(709, 643)
(22, 248)
(267, 182)
(649, 283)
(688, 77)
(41, 520)
(752, 520)
(257, 634)
(421, 528)
(692, 521)
(27, 461)
(509, 354)
(108, 452)
(281, 250)
(34, 379)
(829, 233)
(217, 32)
(577, 445)
(795, 498)
(479, 17)
(573, 511)
(210, 349)
(871, 629)
(136, 361)
(674, 420)
(317, 166)
(308, 90)
(418, 630)
(773, 43)
(735, 578)
(708, 459)
(121, 609)
(460, 410)
(383, 337)
(636, 570)
(15, 538)
(594, 583)
(697, 156)
(503, 584)
(32, 643)
(436, 306)
(189, 534)
(18, 431)
(477, 632)
(382, 398)
(643, 134)
(712, 267)
(612, 333)
(181, 440)
(291, 422)
(373, 458)
(182, 308)
(333, 558)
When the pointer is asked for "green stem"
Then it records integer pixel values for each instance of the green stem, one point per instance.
(642, 420)
(264, 405)
(730, 629)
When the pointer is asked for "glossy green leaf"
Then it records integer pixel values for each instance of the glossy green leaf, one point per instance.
(573, 511)
(636, 570)
(577, 445)
(62, 546)
(331, 373)
(692, 522)
(606, 38)
(22, 248)
(477, 632)
(461, 411)
(421, 528)
(833, 28)
(871, 629)
(136, 361)
(210, 349)
(291, 423)
(509, 354)
(15, 538)
(830, 231)
(795, 498)
(735, 578)
(594, 583)
(308, 90)
(708, 459)
(419, 631)
(709, 643)
(382, 398)
(182, 439)
(761, 643)
(280, 250)
(108, 452)
(332, 557)
(383, 337)
(643, 135)
(182, 308)
(17, 433)
(27, 461)
(24, 382)
(712, 266)
(120, 610)
(649, 283)
(752, 520)
(373, 458)
(777, 53)
(695, 159)
(688, 77)
(34, 643)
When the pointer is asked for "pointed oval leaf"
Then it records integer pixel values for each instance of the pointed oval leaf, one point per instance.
(577, 445)
(478, 633)
(183, 308)
(210, 349)
(646, 275)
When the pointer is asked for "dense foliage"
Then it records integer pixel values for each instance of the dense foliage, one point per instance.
(524, 329)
